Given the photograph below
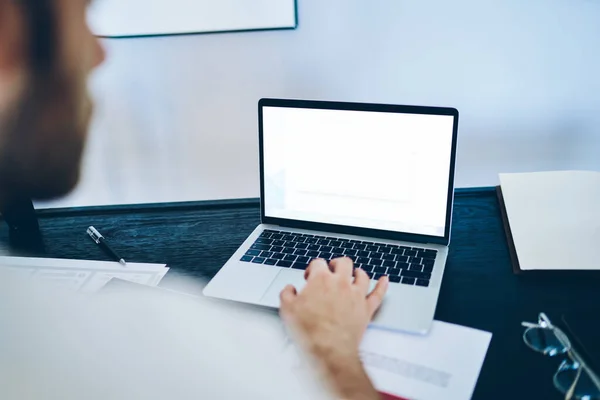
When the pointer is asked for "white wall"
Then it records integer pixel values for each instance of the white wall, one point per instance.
(176, 117)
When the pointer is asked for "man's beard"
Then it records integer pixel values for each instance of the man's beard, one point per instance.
(41, 144)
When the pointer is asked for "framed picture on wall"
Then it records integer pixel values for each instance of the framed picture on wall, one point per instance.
(134, 18)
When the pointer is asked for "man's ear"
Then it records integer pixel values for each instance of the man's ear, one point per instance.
(13, 39)
(13, 53)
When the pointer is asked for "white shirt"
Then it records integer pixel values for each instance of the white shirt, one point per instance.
(140, 345)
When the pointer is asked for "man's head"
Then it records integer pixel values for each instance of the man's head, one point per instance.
(46, 54)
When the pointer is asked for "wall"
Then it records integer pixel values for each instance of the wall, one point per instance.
(176, 117)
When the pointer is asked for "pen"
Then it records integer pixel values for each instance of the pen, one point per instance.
(99, 239)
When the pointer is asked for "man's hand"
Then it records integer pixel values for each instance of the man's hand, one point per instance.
(330, 317)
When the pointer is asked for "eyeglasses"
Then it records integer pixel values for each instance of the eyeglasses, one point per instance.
(574, 378)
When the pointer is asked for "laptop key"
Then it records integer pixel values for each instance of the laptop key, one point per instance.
(432, 254)
(313, 247)
(325, 256)
(385, 249)
(389, 264)
(394, 278)
(394, 271)
(288, 237)
(376, 276)
(398, 251)
(246, 258)
(337, 250)
(260, 247)
(278, 256)
(363, 253)
(360, 246)
(363, 260)
(428, 262)
(276, 249)
(289, 243)
(283, 263)
(271, 261)
(335, 243)
(428, 268)
(422, 282)
(323, 242)
(278, 243)
(415, 260)
(253, 253)
(258, 260)
(297, 265)
(276, 236)
(263, 241)
(376, 255)
(408, 281)
(411, 253)
(350, 252)
(311, 240)
(303, 259)
(312, 254)
(303, 246)
(380, 270)
(416, 274)
(372, 248)
(376, 262)
(402, 258)
(415, 267)
(300, 252)
(368, 267)
(403, 265)
(266, 254)
(347, 245)
(388, 257)
(290, 257)
(288, 250)
(327, 249)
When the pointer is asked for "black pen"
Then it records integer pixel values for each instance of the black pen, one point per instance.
(99, 239)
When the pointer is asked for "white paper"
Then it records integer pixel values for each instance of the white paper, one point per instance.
(444, 364)
(82, 275)
(554, 218)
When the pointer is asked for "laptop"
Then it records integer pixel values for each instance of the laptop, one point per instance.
(371, 182)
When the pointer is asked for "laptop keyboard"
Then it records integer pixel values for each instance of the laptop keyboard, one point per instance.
(402, 264)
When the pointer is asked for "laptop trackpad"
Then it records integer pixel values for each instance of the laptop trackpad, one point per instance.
(286, 277)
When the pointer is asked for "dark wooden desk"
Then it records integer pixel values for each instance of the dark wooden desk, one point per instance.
(479, 289)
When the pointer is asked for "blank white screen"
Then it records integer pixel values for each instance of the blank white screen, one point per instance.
(152, 17)
(375, 170)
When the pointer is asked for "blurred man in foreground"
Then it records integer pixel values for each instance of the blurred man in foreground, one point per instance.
(148, 344)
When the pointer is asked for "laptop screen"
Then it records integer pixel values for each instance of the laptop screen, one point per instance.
(368, 169)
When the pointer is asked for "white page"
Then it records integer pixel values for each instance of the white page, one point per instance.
(152, 17)
(554, 218)
(82, 275)
(444, 364)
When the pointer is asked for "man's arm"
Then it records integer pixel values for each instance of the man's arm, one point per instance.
(330, 317)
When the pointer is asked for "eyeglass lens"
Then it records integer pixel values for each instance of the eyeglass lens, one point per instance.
(544, 340)
(585, 389)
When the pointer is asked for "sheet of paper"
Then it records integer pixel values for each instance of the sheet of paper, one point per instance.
(444, 364)
(554, 218)
(82, 275)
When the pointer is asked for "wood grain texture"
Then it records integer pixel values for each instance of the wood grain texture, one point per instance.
(479, 289)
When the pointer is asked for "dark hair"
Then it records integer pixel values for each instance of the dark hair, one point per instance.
(41, 22)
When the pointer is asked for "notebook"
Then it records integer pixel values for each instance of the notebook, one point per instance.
(551, 219)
